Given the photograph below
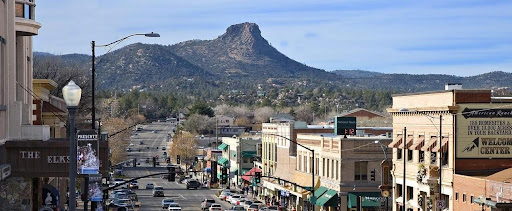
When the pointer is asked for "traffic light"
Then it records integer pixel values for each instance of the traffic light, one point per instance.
(178, 159)
(154, 162)
(224, 176)
(372, 175)
(172, 174)
(257, 177)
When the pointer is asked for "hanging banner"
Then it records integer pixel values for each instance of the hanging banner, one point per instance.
(483, 132)
(87, 152)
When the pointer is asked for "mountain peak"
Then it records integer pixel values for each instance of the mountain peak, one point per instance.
(246, 32)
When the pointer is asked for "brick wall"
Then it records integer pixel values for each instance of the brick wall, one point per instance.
(470, 187)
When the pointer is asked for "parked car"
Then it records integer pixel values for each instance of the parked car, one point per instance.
(134, 185)
(166, 202)
(207, 203)
(150, 186)
(215, 207)
(174, 206)
(193, 184)
(158, 191)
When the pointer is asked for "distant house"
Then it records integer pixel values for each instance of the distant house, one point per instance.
(224, 121)
(361, 112)
(281, 117)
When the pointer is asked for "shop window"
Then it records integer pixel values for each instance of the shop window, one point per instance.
(421, 156)
(410, 193)
(361, 171)
(433, 157)
(398, 154)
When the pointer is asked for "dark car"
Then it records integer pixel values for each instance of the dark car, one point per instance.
(193, 184)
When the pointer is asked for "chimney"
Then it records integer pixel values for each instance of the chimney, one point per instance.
(453, 86)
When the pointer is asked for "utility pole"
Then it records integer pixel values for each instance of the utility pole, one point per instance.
(216, 131)
(404, 188)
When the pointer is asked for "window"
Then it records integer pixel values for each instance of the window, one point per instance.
(327, 164)
(305, 168)
(398, 190)
(433, 157)
(323, 167)
(317, 166)
(311, 165)
(472, 200)
(410, 193)
(421, 156)
(445, 158)
(332, 167)
(361, 171)
(398, 154)
(300, 163)
(463, 197)
(409, 155)
(337, 170)
(456, 196)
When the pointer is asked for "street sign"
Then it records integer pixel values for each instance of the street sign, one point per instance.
(440, 204)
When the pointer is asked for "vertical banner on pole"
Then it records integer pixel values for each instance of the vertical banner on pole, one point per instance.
(87, 152)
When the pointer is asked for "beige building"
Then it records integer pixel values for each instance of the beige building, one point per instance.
(469, 119)
(48, 109)
(240, 152)
(349, 168)
(17, 26)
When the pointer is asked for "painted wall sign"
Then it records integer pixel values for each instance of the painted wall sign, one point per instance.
(484, 133)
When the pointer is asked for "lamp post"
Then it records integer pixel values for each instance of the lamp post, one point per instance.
(93, 69)
(72, 94)
(93, 46)
(312, 168)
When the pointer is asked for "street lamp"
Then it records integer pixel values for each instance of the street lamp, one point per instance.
(93, 46)
(72, 94)
(312, 167)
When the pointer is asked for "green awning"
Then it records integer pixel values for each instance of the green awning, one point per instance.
(223, 161)
(369, 199)
(222, 146)
(234, 171)
(218, 175)
(249, 154)
(321, 190)
(329, 198)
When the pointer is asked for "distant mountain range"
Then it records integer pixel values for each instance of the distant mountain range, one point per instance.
(241, 59)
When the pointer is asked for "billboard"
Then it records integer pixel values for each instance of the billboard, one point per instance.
(484, 132)
(345, 125)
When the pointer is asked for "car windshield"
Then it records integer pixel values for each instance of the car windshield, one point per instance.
(210, 201)
(159, 188)
(174, 205)
(248, 202)
(168, 201)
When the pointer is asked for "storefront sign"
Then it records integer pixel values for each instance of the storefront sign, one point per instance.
(51, 197)
(45, 158)
(484, 133)
(5, 171)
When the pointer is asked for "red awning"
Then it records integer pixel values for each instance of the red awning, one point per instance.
(248, 175)
(396, 142)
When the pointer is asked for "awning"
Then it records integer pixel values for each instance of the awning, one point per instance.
(485, 202)
(408, 143)
(418, 144)
(321, 190)
(222, 161)
(444, 144)
(397, 141)
(248, 175)
(369, 199)
(429, 145)
(234, 171)
(244, 171)
(222, 146)
(249, 154)
(329, 198)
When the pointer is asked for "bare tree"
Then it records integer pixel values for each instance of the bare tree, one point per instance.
(54, 68)
(304, 113)
(263, 114)
(117, 143)
(197, 124)
(183, 144)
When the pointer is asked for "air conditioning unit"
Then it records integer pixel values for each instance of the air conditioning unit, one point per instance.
(5, 171)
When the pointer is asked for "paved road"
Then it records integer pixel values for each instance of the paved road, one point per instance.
(155, 135)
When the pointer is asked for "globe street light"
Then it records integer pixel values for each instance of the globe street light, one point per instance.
(72, 94)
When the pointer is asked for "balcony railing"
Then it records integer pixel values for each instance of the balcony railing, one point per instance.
(26, 9)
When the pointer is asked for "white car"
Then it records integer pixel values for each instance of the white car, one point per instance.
(215, 207)
(224, 195)
(233, 199)
(246, 204)
(166, 202)
(132, 144)
(150, 186)
(174, 206)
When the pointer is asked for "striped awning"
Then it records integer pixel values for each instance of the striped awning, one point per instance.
(418, 144)
(430, 144)
(397, 141)
(222, 146)
(444, 145)
(223, 161)
(408, 143)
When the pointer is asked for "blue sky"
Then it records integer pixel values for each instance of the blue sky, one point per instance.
(459, 37)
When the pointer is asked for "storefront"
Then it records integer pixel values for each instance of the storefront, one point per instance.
(326, 199)
(370, 201)
(45, 162)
